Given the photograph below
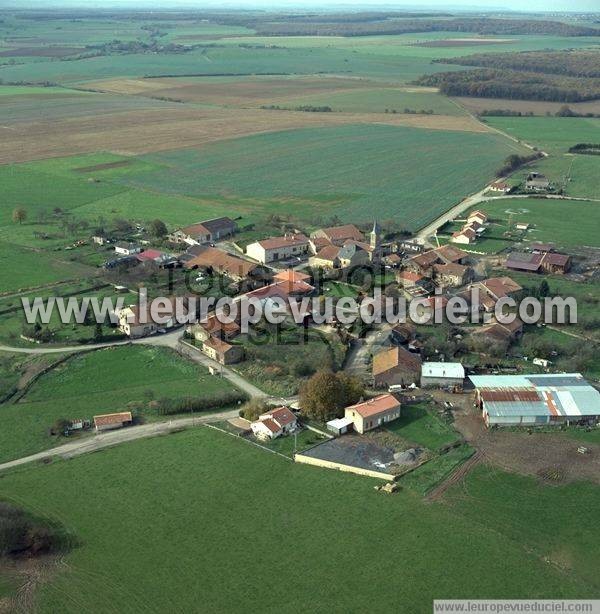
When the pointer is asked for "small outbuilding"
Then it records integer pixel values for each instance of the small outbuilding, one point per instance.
(339, 426)
(106, 422)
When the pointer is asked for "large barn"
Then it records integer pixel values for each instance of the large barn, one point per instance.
(529, 400)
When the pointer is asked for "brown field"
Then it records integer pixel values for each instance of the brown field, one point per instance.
(44, 52)
(250, 93)
(464, 42)
(476, 105)
(139, 132)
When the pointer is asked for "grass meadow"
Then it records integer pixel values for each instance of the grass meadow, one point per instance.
(194, 509)
(566, 223)
(103, 381)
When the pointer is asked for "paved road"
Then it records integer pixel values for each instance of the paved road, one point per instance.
(113, 438)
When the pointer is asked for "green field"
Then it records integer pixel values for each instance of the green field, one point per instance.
(379, 101)
(419, 424)
(555, 221)
(173, 508)
(578, 175)
(103, 381)
(355, 172)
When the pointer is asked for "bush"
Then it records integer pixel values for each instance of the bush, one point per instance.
(253, 409)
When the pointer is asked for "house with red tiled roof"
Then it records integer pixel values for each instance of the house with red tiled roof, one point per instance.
(106, 422)
(274, 423)
(222, 352)
(373, 413)
(326, 258)
(466, 236)
(219, 261)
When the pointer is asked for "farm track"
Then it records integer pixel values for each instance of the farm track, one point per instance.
(457, 476)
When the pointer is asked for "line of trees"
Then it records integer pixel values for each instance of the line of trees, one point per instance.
(590, 149)
(513, 85)
(570, 63)
(514, 161)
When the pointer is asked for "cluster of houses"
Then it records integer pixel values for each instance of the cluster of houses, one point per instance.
(472, 229)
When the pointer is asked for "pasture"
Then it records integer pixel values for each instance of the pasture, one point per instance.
(355, 172)
(130, 377)
(556, 221)
(199, 493)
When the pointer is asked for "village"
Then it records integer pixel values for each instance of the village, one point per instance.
(395, 365)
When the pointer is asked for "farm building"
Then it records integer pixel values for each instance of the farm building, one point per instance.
(127, 249)
(223, 352)
(220, 261)
(338, 235)
(205, 232)
(370, 414)
(278, 248)
(528, 400)
(536, 182)
(339, 426)
(106, 422)
(538, 262)
(442, 374)
(395, 366)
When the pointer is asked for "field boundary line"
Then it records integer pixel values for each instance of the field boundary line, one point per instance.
(253, 443)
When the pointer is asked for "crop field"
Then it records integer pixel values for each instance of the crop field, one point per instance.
(556, 221)
(537, 107)
(503, 541)
(116, 379)
(371, 170)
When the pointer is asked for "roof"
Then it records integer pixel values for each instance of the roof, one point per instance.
(426, 259)
(562, 394)
(500, 287)
(213, 325)
(443, 369)
(465, 232)
(556, 259)
(288, 240)
(109, 419)
(340, 233)
(270, 424)
(350, 248)
(209, 226)
(542, 247)
(378, 405)
(329, 252)
(282, 415)
(408, 276)
(451, 268)
(150, 254)
(479, 213)
(393, 358)
(220, 261)
(450, 253)
(340, 423)
(523, 261)
(291, 275)
(281, 289)
(218, 344)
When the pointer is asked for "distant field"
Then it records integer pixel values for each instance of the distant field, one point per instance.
(537, 107)
(220, 488)
(103, 381)
(556, 221)
(355, 172)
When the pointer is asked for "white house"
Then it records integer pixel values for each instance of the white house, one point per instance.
(127, 249)
(278, 248)
(274, 423)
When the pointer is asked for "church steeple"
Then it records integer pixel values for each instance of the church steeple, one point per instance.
(375, 236)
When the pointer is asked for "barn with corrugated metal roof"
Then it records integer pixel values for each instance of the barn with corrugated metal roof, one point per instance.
(529, 400)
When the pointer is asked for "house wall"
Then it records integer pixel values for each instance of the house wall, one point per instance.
(317, 462)
(362, 425)
(441, 381)
(395, 376)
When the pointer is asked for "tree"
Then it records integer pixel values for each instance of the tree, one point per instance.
(157, 228)
(325, 395)
(121, 225)
(253, 409)
(544, 290)
(19, 215)
(98, 334)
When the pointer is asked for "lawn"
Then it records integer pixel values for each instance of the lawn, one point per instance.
(555, 221)
(420, 424)
(181, 508)
(354, 172)
(115, 379)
